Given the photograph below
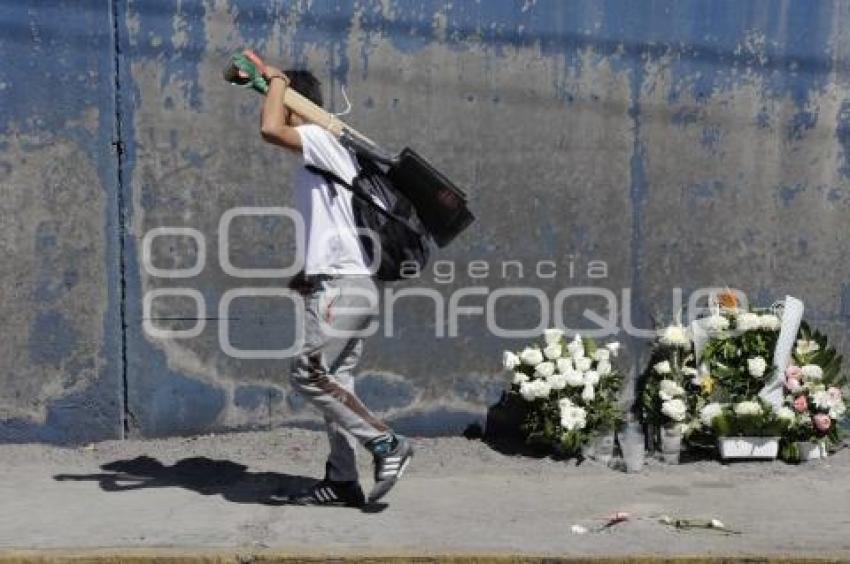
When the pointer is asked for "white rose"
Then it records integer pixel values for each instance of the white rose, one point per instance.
(573, 418)
(812, 372)
(576, 349)
(756, 366)
(587, 394)
(663, 367)
(709, 413)
(770, 322)
(675, 409)
(520, 377)
(564, 403)
(564, 365)
(552, 351)
(785, 413)
(822, 399)
(591, 377)
(557, 381)
(574, 378)
(528, 391)
(715, 323)
(510, 360)
(614, 347)
(604, 368)
(583, 364)
(531, 356)
(544, 369)
(748, 408)
(689, 371)
(747, 322)
(668, 389)
(675, 336)
(541, 388)
(601, 354)
(805, 347)
(553, 336)
(838, 410)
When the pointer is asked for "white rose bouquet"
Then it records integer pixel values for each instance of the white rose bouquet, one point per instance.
(570, 389)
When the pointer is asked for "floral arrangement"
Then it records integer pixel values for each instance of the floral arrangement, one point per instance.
(814, 399)
(570, 389)
(672, 383)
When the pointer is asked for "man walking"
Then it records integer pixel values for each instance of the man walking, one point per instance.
(340, 302)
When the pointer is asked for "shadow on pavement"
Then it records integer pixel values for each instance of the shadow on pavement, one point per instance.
(199, 474)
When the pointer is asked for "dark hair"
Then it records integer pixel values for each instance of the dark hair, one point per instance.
(305, 84)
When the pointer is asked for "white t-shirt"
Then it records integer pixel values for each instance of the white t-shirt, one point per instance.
(332, 245)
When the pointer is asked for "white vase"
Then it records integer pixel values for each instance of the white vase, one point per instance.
(671, 444)
(810, 450)
(762, 448)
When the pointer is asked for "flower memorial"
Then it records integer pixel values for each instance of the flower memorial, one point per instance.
(712, 380)
(570, 389)
(814, 399)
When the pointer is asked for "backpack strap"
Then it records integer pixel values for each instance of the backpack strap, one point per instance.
(358, 193)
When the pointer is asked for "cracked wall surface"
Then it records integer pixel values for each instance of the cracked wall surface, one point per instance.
(685, 144)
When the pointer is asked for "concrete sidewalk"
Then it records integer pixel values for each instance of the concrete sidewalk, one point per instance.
(208, 497)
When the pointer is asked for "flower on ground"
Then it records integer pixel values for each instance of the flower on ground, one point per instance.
(588, 394)
(668, 389)
(801, 404)
(838, 410)
(835, 394)
(708, 413)
(614, 347)
(604, 367)
(822, 400)
(812, 372)
(793, 371)
(675, 409)
(663, 367)
(520, 377)
(601, 354)
(756, 366)
(552, 336)
(675, 336)
(793, 385)
(544, 369)
(534, 389)
(552, 351)
(748, 408)
(805, 347)
(531, 356)
(822, 422)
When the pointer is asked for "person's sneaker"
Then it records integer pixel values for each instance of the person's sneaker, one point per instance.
(392, 455)
(326, 492)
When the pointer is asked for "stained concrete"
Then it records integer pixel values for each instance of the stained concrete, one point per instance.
(684, 144)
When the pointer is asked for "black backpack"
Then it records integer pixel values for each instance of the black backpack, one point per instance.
(402, 235)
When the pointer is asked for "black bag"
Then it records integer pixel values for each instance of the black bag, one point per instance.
(402, 235)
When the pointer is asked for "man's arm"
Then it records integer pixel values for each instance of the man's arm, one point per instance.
(273, 125)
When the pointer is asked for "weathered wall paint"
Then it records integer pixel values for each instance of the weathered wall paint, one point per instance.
(685, 143)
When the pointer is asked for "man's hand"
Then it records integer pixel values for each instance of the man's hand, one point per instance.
(274, 127)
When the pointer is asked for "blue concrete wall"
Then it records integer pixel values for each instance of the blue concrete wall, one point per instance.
(684, 143)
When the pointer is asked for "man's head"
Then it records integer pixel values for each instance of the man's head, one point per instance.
(303, 82)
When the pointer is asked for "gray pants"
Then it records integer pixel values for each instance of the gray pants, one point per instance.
(322, 371)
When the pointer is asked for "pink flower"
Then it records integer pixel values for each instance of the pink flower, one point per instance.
(801, 404)
(835, 394)
(793, 371)
(822, 422)
(792, 384)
